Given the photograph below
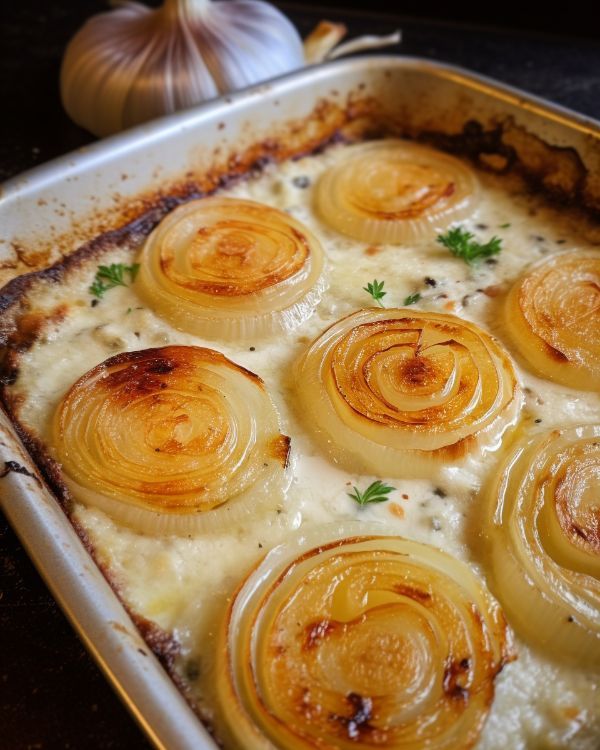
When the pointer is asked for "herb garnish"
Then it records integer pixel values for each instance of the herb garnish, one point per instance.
(411, 299)
(463, 245)
(375, 493)
(108, 277)
(376, 291)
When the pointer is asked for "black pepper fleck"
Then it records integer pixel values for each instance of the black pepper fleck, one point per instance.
(439, 492)
(252, 348)
(430, 282)
(94, 302)
(301, 181)
(537, 421)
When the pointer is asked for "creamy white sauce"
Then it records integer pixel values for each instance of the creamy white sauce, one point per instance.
(183, 583)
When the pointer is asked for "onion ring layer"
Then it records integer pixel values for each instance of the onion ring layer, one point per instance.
(544, 527)
(395, 191)
(403, 392)
(228, 268)
(368, 641)
(553, 317)
(171, 440)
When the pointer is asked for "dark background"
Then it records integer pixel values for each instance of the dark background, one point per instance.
(51, 694)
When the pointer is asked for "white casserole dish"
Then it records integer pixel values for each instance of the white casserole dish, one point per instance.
(53, 209)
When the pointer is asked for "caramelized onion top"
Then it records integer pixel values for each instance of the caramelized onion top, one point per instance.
(403, 391)
(174, 431)
(227, 267)
(544, 528)
(395, 191)
(553, 316)
(361, 642)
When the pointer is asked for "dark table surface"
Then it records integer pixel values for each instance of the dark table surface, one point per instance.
(51, 693)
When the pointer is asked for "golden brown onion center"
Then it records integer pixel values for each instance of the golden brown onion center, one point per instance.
(172, 428)
(234, 256)
(230, 269)
(574, 485)
(410, 373)
(395, 191)
(545, 541)
(389, 189)
(560, 300)
(370, 642)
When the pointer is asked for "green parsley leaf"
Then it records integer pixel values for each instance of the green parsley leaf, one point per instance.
(108, 277)
(411, 299)
(375, 493)
(463, 245)
(504, 226)
(376, 291)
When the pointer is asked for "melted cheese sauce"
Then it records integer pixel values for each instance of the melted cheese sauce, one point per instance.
(183, 583)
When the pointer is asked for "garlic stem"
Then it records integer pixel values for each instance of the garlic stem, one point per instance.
(180, 8)
(363, 43)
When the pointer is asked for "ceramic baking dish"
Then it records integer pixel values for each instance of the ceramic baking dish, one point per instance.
(47, 212)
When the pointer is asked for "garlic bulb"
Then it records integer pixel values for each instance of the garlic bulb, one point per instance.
(135, 63)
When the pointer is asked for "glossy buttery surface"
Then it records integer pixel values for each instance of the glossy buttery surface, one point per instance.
(183, 583)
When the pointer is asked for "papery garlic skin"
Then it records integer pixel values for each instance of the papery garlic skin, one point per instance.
(360, 642)
(543, 542)
(135, 63)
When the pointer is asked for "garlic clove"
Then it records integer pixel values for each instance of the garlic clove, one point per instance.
(135, 63)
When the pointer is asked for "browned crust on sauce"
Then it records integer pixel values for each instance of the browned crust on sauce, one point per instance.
(557, 172)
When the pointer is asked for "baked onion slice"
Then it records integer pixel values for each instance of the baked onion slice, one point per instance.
(228, 268)
(400, 392)
(395, 191)
(544, 542)
(171, 440)
(553, 317)
(367, 641)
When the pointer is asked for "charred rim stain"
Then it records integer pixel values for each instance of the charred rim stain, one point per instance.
(16, 468)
